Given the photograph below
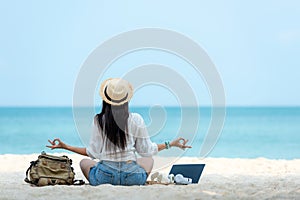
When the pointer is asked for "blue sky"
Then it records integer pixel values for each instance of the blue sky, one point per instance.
(255, 46)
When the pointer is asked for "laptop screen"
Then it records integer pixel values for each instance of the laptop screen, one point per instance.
(192, 171)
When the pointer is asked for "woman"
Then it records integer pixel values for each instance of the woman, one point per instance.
(117, 135)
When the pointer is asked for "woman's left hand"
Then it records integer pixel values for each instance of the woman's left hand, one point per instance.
(180, 142)
(56, 144)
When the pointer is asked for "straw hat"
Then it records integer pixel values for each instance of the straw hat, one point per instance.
(116, 91)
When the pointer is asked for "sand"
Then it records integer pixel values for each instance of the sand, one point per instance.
(222, 178)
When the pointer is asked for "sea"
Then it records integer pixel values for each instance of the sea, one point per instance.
(247, 132)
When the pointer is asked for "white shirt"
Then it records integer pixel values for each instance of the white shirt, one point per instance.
(137, 141)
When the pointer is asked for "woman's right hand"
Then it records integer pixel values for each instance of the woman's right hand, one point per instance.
(56, 144)
(181, 143)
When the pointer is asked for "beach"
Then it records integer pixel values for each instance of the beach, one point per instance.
(222, 178)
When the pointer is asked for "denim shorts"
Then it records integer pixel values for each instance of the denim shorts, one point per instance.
(117, 173)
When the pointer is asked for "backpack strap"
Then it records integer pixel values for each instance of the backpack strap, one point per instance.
(78, 182)
(32, 163)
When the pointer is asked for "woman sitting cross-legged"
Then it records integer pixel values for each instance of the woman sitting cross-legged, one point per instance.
(117, 135)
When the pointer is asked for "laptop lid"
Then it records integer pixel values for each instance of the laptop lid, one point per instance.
(192, 171)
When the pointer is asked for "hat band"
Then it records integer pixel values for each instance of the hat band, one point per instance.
(113, 100)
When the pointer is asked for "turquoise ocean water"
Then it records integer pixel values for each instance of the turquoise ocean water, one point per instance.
(248, 132)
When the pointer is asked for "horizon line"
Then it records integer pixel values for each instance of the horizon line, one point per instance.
(143, 106)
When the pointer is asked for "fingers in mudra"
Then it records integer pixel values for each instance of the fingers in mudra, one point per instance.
(182, 143)
(54, 144)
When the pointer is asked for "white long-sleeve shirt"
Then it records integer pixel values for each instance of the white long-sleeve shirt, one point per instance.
(137, 141)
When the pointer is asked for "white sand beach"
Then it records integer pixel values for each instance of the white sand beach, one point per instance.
(222, 178)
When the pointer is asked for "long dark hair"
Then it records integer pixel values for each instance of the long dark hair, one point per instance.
(113, 120)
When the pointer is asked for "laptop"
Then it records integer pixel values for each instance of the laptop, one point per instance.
(192, 171)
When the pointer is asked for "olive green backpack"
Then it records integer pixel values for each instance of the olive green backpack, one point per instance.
(51, 170)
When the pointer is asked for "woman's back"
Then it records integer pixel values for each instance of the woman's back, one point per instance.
(137, 140)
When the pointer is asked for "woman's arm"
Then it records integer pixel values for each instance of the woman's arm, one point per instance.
(179, 142)
(61, 145)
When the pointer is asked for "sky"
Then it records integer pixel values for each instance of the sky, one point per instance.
(255, 46)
